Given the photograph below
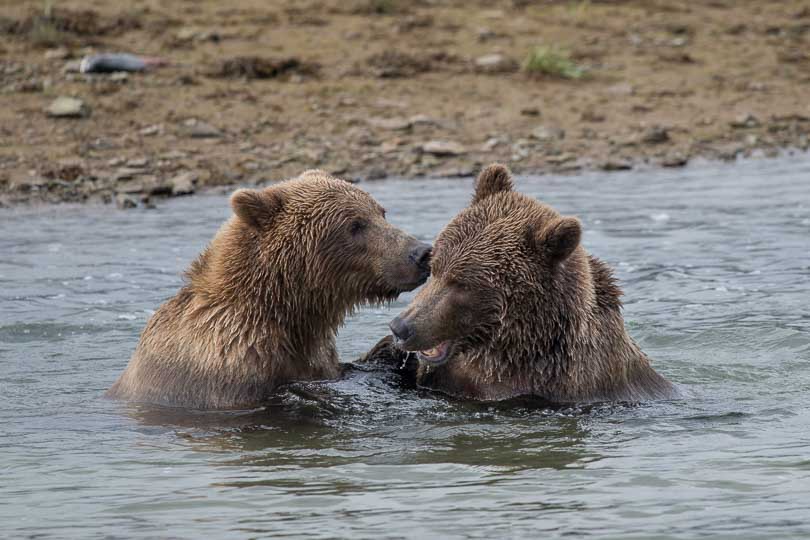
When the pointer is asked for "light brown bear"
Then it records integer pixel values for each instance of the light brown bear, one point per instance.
(515, 306)
(263, 302)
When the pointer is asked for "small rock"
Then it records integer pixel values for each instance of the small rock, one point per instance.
(173, 155)
(183, 183)
(616, 164)
(201, 130)
(137, 163)
(485, 34)
(655, 135)
(59, 53)
(185, 34)
(745, 121)
(124, 201)
(543, 133)
(495, 63)
(393, 124)
(491, 143)
(443, 148)
(388, 147)
(561, 158)
(729, 152)
(67, 107)
(149, 131)
(589, 115)
(422, 120)
(621, 89)
(454, 172)
(126, 173)
(674, 160)
(129, 186)
(530, 111)
(74, 66)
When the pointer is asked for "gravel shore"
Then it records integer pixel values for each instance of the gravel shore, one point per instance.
(260, 91)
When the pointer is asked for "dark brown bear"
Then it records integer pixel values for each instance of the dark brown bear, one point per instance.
(263, 302)
(516, 306)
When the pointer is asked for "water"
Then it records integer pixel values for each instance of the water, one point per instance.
(715, 263)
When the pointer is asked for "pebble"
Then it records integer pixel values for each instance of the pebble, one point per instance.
(129, 186)
(124, 201)
(621, 89)
(201, 130)
(495, 63)
(422, 120)
(67, 107)
(443, 148)
(655, 135)
(59, 53)
(745, 121)
(126, 173)
(149, 131)
(615, 164)
(392, 124)
(676, 159)
(183, 183)
(137, 163)
(454, 172)
(544, 133)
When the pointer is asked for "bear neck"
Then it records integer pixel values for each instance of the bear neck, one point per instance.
(267, 297)
(564, 339)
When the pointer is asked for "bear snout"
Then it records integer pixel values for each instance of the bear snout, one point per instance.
(401, 329)
(420, 256)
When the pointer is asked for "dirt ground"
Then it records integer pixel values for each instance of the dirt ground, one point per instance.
(261, 90)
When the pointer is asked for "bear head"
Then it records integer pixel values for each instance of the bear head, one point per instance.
(321, 236)
(507, 276)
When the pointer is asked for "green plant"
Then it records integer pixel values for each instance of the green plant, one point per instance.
(553, 62)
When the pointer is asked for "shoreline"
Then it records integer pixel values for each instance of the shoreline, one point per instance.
(697, 163)
(251, 97)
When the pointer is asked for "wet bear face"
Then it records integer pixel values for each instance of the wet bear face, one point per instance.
(493, 264)
(333, 236)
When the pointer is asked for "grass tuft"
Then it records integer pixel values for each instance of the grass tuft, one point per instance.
(553, 62)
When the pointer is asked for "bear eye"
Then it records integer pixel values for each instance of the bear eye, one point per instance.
(358, 226)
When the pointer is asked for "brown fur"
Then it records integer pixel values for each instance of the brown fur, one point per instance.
(263, 302)
(527, 310)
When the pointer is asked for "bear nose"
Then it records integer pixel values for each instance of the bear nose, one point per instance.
(401, 329)
(420, 255)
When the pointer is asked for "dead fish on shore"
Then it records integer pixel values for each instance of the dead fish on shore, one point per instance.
(112, 62)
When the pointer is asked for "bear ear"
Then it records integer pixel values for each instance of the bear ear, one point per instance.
(255, 207)
(558, 239)
(493, 179)
(314, 172)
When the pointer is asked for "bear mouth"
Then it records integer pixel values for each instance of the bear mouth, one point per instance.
(435, 356)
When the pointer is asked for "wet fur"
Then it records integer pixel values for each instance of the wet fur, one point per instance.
(263, 302)
(548, 316)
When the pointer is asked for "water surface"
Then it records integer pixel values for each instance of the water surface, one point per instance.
(715, 263)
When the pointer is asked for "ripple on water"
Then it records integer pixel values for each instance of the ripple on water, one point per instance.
(714, 263)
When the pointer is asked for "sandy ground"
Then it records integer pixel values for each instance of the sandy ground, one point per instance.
(262, 90)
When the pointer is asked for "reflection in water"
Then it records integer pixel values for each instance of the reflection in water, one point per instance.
(334, 423)
(715, 265)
